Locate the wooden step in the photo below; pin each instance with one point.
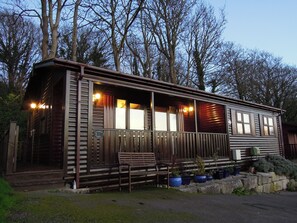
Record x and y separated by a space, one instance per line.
35 180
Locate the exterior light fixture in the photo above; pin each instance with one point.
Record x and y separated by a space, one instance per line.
188 109
33 105
96 97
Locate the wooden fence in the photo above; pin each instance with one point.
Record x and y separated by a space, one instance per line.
8 149
291 151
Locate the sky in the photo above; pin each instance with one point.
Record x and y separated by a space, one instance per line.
268 25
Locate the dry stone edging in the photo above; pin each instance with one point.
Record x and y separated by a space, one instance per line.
259 182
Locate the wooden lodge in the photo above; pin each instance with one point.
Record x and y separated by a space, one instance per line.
81 116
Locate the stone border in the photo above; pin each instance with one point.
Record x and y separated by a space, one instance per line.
259 182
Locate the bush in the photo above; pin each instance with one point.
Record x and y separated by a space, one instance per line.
262 165
7 199
278 164
292 185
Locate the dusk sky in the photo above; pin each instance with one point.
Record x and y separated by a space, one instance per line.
269 25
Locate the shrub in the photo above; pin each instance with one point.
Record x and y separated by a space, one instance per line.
262 165
278 164
292 185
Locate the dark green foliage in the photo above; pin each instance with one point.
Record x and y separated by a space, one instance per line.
241 191
262 165
292 185
10 110
7 199
278 164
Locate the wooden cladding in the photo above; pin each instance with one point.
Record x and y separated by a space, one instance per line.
211 117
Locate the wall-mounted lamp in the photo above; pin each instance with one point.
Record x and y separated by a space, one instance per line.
33 105
188 109
96 97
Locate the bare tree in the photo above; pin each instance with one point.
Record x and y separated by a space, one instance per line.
74 31
90 47
114 18
18 49
167 22
140 44
207 30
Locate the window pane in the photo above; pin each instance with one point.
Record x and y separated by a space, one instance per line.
120 118
265 120
121 103
137 119
239 117
270 121
246 118
247 129
161 121
266 131
172 123
239 128
271 130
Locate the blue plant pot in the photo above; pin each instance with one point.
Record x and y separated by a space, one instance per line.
236 170
200 178
186 180
209 177
175 181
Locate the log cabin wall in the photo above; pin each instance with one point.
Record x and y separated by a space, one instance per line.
45 147
70 132
267 144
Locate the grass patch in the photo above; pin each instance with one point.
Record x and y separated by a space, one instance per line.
241 191
7 199
138 206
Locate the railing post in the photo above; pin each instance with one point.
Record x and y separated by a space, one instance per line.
12 146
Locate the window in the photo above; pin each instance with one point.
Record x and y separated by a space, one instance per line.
173 123
120 121
161 121
165 119
243 123
268 126
136 117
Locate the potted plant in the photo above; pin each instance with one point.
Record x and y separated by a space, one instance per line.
209 175
186 178
175 179
236 169
219 173
200 176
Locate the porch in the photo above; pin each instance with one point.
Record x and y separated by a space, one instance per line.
183 146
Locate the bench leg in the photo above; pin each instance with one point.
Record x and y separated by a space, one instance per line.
130 187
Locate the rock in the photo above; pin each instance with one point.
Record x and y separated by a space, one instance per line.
264 178
213 188
250 182
228 186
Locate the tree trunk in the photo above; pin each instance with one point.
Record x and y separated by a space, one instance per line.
74 32
44 28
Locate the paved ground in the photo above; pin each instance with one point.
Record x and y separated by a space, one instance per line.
156 205
280 207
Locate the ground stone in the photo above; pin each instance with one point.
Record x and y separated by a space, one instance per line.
228 186
210 188
250 182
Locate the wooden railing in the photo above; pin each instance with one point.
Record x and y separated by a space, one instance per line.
291 151
184 145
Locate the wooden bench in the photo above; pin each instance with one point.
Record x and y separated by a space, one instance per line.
140 164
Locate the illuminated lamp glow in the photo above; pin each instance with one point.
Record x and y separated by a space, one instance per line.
96 96
191 109
33 105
